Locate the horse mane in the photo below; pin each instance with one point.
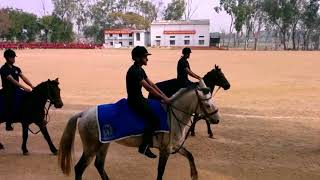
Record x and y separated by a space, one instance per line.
209 78
39 87
181 92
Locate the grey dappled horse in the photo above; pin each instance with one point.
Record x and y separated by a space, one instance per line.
184 104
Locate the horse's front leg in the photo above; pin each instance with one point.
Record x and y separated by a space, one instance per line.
46 135
193 125
25 127
209 130
164 155
194 173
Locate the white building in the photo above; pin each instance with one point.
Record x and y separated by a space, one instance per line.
180 33
126 38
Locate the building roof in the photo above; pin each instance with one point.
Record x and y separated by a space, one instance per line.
182 22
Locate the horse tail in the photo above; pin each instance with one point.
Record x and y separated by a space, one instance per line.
66 144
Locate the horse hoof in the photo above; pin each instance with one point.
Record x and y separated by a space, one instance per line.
211 136
1 146
193 134
55 152
195 177
26 153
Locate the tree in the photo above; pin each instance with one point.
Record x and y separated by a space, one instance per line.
189 10
228 6
310 17
64 9
5 22
56 29
175 10
281 13
24 26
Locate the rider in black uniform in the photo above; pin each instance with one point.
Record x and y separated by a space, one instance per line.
10 82
183 69
136 79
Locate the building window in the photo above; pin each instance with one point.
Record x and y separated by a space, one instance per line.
172 42
186 42
201 42
120 43
111 43
158 42
172 37
130 43
110 35
201 36
187 37
130 35
138 36
120 35
158 36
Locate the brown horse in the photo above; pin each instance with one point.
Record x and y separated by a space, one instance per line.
31 109
213 78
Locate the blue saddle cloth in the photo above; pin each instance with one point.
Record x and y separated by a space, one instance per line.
118 121
17 102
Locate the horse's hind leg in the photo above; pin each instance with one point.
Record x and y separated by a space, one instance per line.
82 164
100 159
194 173
46 135
209 130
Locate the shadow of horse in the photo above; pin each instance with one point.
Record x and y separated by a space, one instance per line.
30 108
213 78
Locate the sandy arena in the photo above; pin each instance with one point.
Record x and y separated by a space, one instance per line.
270 117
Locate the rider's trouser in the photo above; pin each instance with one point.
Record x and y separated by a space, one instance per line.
141 107
8 106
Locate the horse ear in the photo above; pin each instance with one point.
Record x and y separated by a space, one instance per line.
57 80
49 80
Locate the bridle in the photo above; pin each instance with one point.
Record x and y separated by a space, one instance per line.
195 115
51 101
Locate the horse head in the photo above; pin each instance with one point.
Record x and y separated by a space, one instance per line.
50 91
216 78
207 108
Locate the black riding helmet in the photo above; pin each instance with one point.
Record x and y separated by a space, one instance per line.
186 50
139 51
9 53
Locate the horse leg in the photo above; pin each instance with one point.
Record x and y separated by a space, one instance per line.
164 155
100 159
46 136
194 173
193 126
24 138
1 146
209 130
86 158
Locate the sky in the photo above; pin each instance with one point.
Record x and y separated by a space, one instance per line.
205 10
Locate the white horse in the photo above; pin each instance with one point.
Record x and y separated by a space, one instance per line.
184 104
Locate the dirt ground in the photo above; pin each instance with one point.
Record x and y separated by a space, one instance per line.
270 117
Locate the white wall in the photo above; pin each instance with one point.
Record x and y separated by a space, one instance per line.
141 42
201 30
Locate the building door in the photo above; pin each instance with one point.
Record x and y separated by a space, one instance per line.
158 42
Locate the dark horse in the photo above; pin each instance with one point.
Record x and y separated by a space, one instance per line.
213 78
30 108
